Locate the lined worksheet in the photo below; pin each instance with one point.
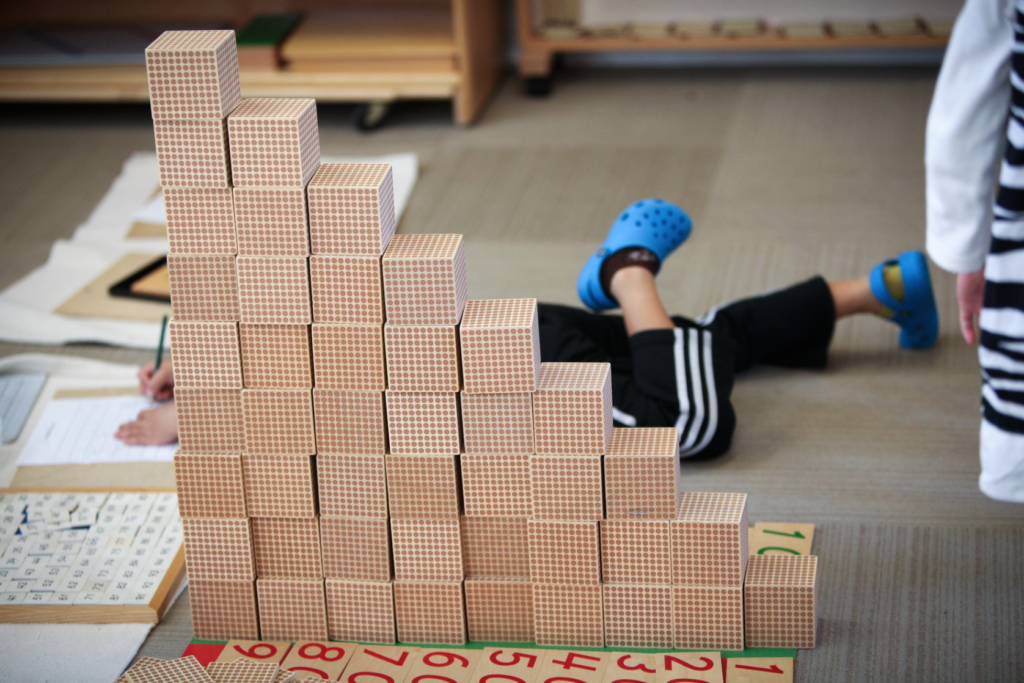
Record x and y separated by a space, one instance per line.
80 431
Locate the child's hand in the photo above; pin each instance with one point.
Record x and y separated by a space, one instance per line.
154 427
970 294
158 385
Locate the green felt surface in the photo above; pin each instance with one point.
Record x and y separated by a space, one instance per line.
728 654
267 30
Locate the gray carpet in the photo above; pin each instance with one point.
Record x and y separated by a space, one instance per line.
787 173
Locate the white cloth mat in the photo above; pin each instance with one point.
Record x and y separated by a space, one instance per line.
26 307
61 653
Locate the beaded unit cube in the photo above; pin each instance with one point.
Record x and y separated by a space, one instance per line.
347 289
430 611
567 487
219 549
709 540
349 357
203 287
425 279
780 601
223 609
351 209
565 553
287 548
642 473
271 221
210 420
209 485
638 616
495 548
635 552
496 424
426 550
568 615
200 220
423 486
205 354
276 356
193 75
572 409
279 485
273 291
274 142
192 153
497 485
422 357
349 422
360 611
499 610
500 341
355 549
352 486
278 421
707 617
424 423
292 608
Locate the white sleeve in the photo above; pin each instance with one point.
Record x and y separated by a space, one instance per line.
965 135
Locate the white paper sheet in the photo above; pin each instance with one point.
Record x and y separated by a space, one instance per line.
80 431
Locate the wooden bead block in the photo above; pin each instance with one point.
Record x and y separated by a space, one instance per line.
567 487
166 671
499 610
273 291
292 609
192 153
500 342
422 357
276 356
242 670
495 548
203 287
709 540
360 611
209 485
780 601
223 610
497 485
200 220
430 612
707 617
347 290
351 208
349 422
356 549
454 666
564 552
275 142
206 355
352 486
349 357
425 279
279 485
572 409
423 486
287 548
642 474
219 549
635 551
427 550
271 221
638 616
193 75
323 660
210 420
423 423
497 424
278 421
567 615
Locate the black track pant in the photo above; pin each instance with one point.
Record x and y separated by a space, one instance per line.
683 378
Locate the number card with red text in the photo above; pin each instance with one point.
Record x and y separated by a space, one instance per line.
631 668
566 666
759 670
380 664
444 666
689 667
507 665
314 658
256 650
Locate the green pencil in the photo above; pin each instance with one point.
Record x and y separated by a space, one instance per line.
160 345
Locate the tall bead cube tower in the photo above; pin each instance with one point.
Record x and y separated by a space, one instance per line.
500 344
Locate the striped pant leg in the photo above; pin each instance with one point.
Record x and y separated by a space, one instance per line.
1001 355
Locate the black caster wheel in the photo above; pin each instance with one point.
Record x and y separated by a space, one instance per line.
370 116
538 86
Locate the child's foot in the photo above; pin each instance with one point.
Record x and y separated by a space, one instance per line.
643 235
904 287
154 427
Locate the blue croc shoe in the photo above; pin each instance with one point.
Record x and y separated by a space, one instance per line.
916 314
653 224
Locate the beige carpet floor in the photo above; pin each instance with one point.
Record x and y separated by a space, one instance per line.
787 173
